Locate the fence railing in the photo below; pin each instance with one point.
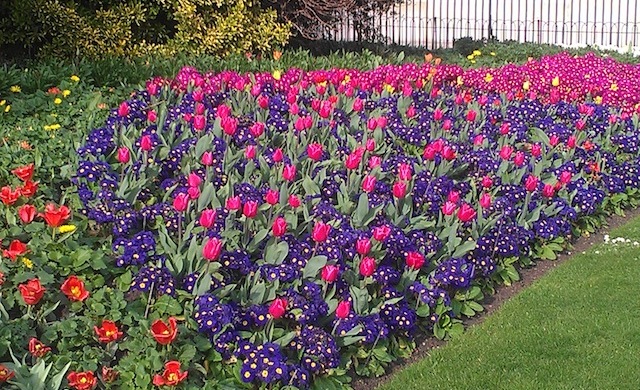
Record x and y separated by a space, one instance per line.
437 23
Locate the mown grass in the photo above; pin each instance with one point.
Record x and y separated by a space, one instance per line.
575 328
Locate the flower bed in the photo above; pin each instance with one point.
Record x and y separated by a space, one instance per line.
280 229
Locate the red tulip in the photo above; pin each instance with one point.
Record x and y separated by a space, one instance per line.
171 376
531 183
429 153
289 172
8 196
367 266
330 273
199 122
370 145
453 197
448 153
5 373
279 227
28 189
448 208
314 151
145 143
24 173
212 249
109 375
164 333
374 161
32 291
369 183
466 213
471 115
107 332
565 177
381 232
233 203
74 289
207 158
250 152
343 309
400 189
536 150
229 125
27 213
278 307
548 191
438 114
363 246
405 172
257 129
485 200
123 155
181 201
82 380
414 260
152 116
16 248
272 197
320 231
194 180
37 348
250 209
353 161
294 201
505 152
123 109
263 101
207 218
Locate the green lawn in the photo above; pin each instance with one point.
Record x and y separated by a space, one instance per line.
578 327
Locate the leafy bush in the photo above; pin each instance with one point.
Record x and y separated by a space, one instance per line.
165 27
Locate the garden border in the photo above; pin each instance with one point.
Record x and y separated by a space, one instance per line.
492 303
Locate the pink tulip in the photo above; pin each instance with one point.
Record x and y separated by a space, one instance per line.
279 227
212 249
123 155
320 231
207 218
329 273
367 266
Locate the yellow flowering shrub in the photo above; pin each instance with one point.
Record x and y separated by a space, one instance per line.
64 28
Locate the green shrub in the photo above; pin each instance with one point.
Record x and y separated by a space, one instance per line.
95 28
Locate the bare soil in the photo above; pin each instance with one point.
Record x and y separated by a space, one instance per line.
503 294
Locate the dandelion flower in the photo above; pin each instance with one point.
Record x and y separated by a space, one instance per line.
477 53
488 77
27 263
57 101
75 78
7 108
15 88
66 93
493 53
54 126
470 57
3 102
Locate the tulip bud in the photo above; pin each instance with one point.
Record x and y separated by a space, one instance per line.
485 200
314 151
257 129
194 192
123 109
277 155
400 189
381 233
289 172
272 197
374 161
233 203
181 201
207 218
250 152
466 213
250 209
453 196
145 143
294 201
199 122
343 309
329 273
369 183
279 227
531 183
123 155
278 307
152 116
320 231
363 246
367 266
405 172
207 158
370 145
194 180
487 182
448 208
212 249
414 260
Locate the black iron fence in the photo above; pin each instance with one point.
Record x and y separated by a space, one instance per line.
437 23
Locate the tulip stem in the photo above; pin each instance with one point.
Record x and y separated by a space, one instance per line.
146 310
